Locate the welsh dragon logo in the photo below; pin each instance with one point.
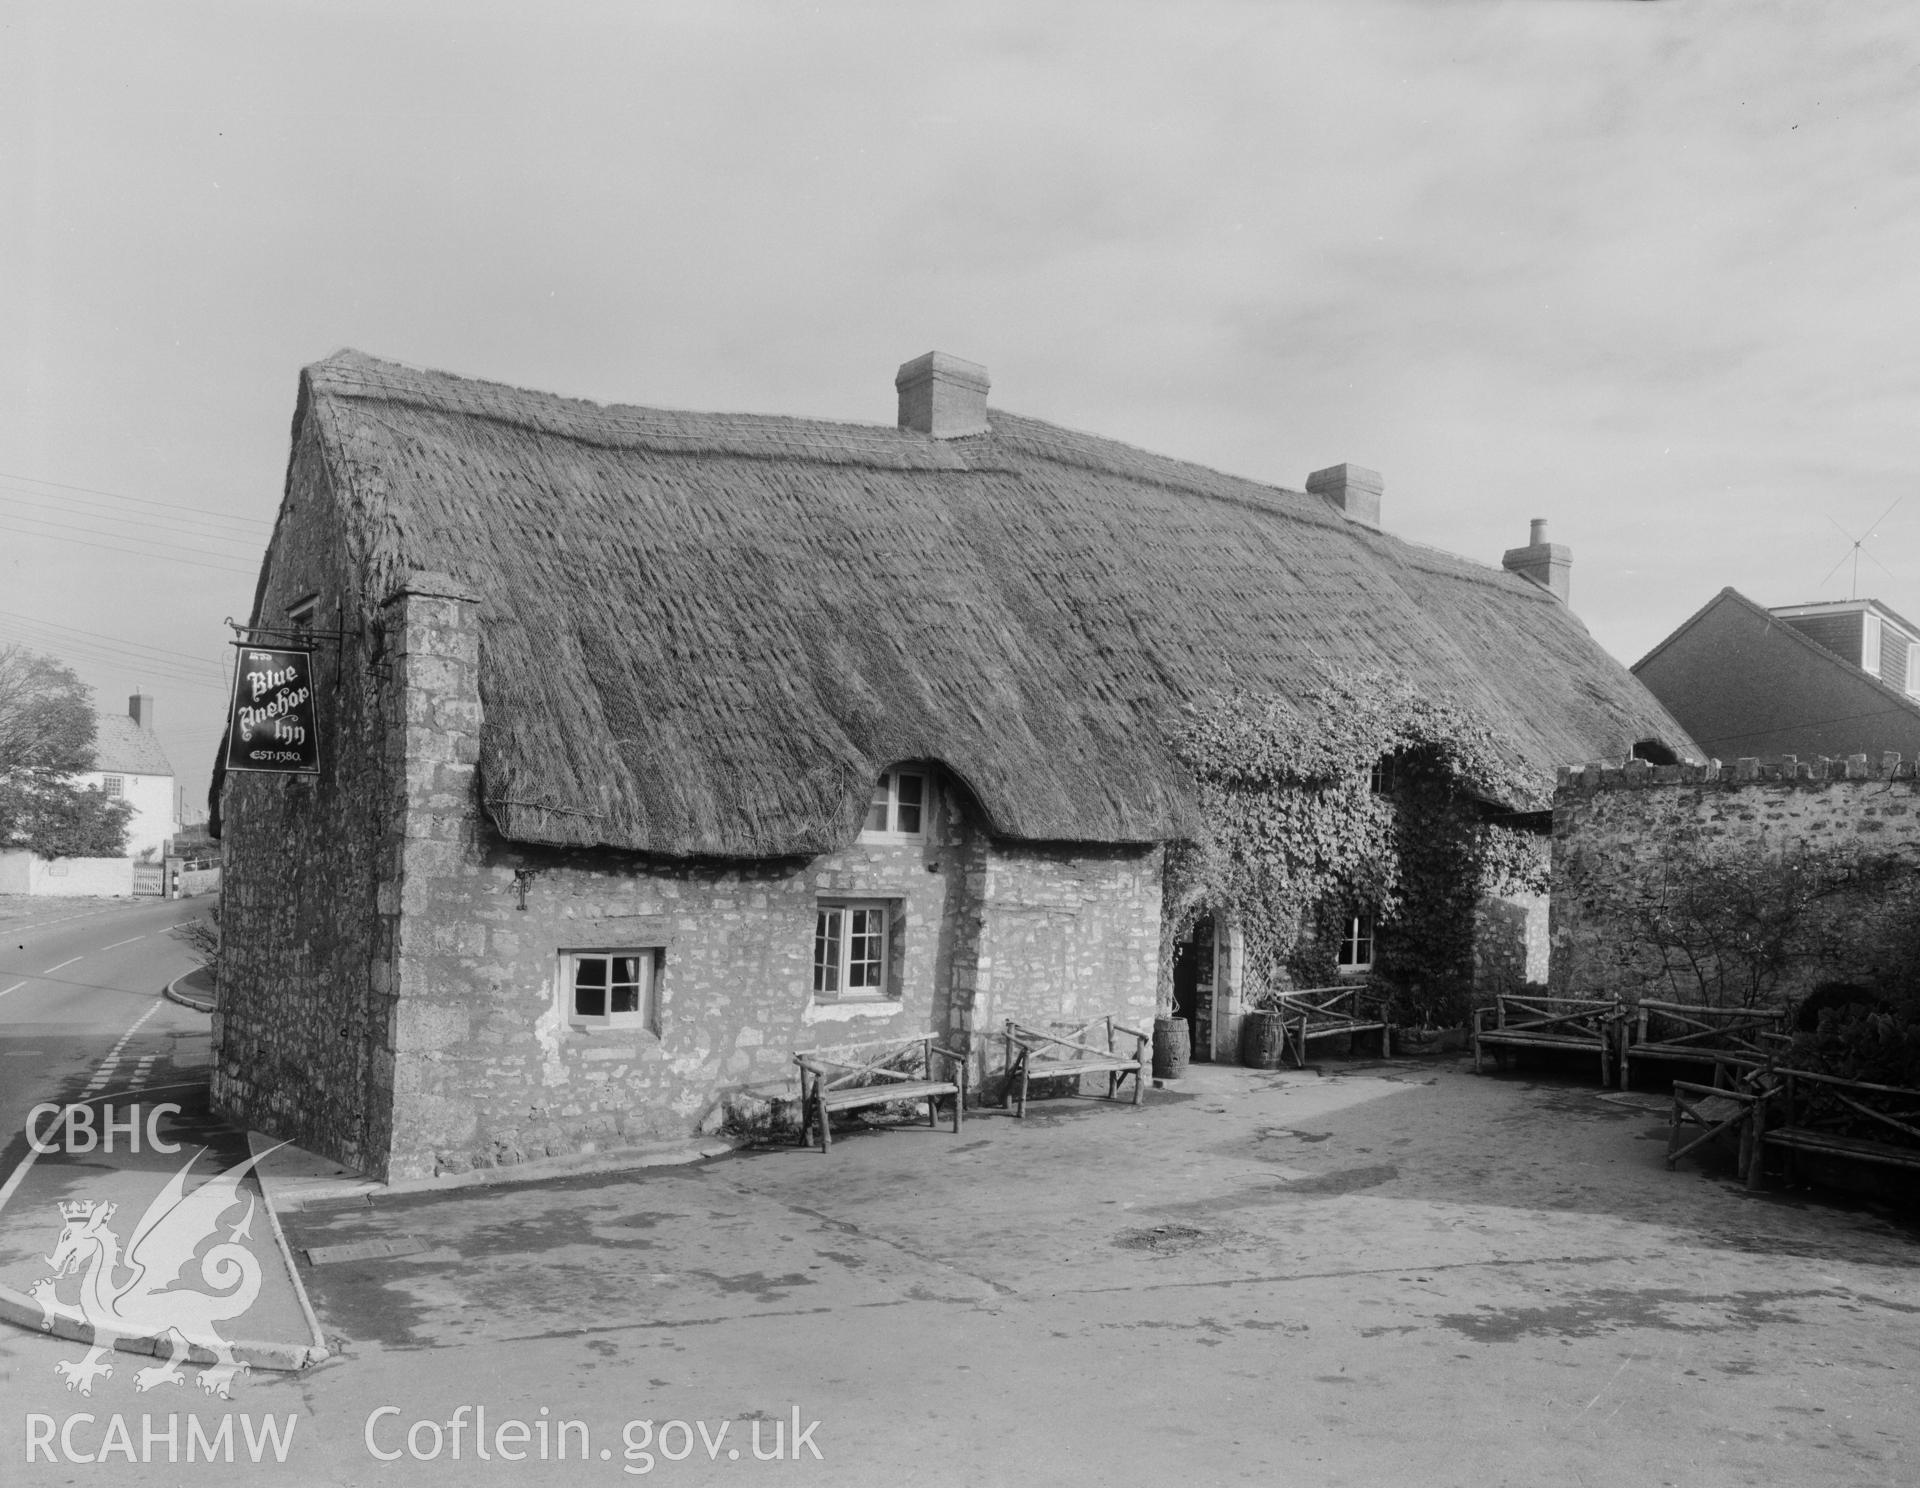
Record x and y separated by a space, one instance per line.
135 1292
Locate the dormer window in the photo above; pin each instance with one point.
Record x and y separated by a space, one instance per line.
898 810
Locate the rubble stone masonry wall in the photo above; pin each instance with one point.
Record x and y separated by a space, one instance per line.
1617 830
299 1026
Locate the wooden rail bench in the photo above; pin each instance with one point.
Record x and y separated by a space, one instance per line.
1582 1025
1309 1013
1826 1116
1069 1050
880 1072
1689 1033
1715 1111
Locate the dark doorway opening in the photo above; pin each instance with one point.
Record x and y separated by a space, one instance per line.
1193 962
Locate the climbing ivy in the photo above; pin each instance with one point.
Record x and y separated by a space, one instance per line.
1295 837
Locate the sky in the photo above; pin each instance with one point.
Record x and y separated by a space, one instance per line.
1643 268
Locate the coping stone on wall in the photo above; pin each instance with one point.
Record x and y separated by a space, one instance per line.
1784 769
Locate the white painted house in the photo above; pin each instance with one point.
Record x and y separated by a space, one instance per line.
130 765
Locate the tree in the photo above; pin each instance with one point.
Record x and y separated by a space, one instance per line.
46 738
46 715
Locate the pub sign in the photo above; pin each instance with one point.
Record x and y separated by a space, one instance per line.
271 725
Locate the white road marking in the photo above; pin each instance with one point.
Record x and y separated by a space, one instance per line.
8 929
118 943
19 1174
112 1061
52 969
14 988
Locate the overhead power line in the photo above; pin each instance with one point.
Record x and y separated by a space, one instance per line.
204 674
53 640
131 647
183 557
99 514
141 500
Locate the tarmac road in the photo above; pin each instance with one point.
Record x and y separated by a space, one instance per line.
1377 1274
76 978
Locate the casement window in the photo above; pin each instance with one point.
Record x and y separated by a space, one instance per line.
301 612
1913 669
899 806
1356 944
852 949
114 785
614 989
1383 777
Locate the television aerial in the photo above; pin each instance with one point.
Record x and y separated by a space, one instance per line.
1859 551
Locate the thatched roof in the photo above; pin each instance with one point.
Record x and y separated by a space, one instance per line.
709 633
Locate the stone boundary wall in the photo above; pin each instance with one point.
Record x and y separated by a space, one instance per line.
1785 767
1624 835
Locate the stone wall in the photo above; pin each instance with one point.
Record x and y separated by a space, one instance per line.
1620 835
1066 934
24 872
489 1071
299 1031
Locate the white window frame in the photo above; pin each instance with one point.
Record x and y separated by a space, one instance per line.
301 613
1360 930
887 801
837 964
114 786
651 968
1913 667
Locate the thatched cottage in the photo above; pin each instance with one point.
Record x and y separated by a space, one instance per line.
658 745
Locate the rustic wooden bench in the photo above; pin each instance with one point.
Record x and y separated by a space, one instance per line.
1310 1013
1069 1050
879 1072
1583 1025
1715 1110
1689 1033
1825 1116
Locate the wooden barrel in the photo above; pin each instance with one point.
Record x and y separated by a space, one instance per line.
1262 1040
1171 1045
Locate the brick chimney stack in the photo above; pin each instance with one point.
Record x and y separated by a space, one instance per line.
140 710
1547 564
1353 488
942 396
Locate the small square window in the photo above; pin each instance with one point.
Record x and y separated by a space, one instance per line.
614 989
851 950
898 807
114 785
301 612
1356 944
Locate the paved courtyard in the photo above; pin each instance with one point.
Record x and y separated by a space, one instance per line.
1387 1273
1376 1273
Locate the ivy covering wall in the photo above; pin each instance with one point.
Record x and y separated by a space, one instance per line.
1358 796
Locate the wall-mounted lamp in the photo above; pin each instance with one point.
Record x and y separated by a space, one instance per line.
523 880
